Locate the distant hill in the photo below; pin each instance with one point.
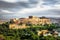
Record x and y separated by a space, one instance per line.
55 19
3 21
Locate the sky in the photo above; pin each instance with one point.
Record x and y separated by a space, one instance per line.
24 8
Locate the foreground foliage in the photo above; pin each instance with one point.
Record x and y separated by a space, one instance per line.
25 34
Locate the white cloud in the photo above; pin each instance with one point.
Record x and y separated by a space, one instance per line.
11 1
57 6
6 11
14 1
32 10
23 0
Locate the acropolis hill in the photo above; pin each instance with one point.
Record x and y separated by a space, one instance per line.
19 23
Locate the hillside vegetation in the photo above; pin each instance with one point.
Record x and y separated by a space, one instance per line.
28 33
